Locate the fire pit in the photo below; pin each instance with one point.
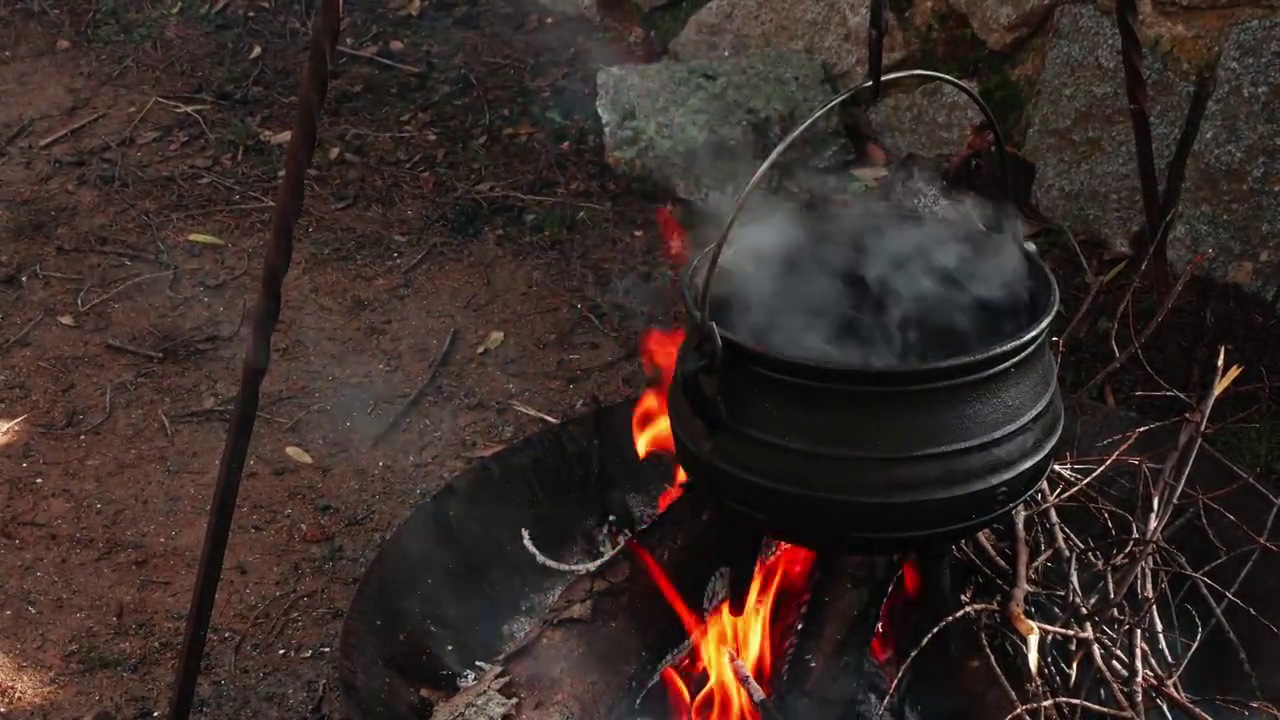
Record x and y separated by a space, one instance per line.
804 534
455 591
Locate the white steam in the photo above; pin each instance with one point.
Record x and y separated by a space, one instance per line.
872 283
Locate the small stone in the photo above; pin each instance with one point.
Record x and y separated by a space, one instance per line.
395 46
325 506
62 45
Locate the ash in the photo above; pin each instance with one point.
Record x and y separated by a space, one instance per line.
874 282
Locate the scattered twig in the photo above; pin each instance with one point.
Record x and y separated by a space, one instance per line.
522 408
1150 328
22 333
17 132
1022 710
69 129
754 692
417 259
11 424
1015 608
132 350
575 568
83 306
902 670
375 58
253 620
1176 470
403 413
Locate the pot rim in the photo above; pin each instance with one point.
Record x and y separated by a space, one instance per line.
1030 336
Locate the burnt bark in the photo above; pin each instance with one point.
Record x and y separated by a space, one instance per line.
608 633
830 674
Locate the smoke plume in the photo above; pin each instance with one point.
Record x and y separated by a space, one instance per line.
870 281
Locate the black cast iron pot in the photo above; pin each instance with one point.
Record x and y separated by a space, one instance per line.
860 459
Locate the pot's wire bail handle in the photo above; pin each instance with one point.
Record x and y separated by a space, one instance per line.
707 334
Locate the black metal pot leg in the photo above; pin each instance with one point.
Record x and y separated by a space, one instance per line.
742 551
937 596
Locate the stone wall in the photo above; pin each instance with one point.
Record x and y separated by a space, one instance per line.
1051 70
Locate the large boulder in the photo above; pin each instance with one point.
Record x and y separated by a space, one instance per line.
933 120
834 31
1231 199
1217 4
691 125
1080 134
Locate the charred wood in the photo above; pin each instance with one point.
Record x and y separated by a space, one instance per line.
607 634
831 675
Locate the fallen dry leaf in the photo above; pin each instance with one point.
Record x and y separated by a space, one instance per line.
68 321
204 239
281 138
255 52
298 454
484 452
491 342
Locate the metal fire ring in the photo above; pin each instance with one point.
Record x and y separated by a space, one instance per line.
707 329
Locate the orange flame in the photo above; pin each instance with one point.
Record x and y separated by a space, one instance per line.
674 238
650 426
750 638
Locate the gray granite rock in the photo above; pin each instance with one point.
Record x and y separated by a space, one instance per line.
1217 4
588 9
689 125
1080 136
833 30
1231 199
933 120
1001 25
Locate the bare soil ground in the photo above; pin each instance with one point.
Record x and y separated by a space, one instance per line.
460 188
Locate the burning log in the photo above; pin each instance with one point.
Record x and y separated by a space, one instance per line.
831 674
607 634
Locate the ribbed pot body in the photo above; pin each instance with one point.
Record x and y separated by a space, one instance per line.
870 460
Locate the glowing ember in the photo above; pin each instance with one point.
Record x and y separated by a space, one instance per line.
884 642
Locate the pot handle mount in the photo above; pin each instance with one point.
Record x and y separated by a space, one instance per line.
706 328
